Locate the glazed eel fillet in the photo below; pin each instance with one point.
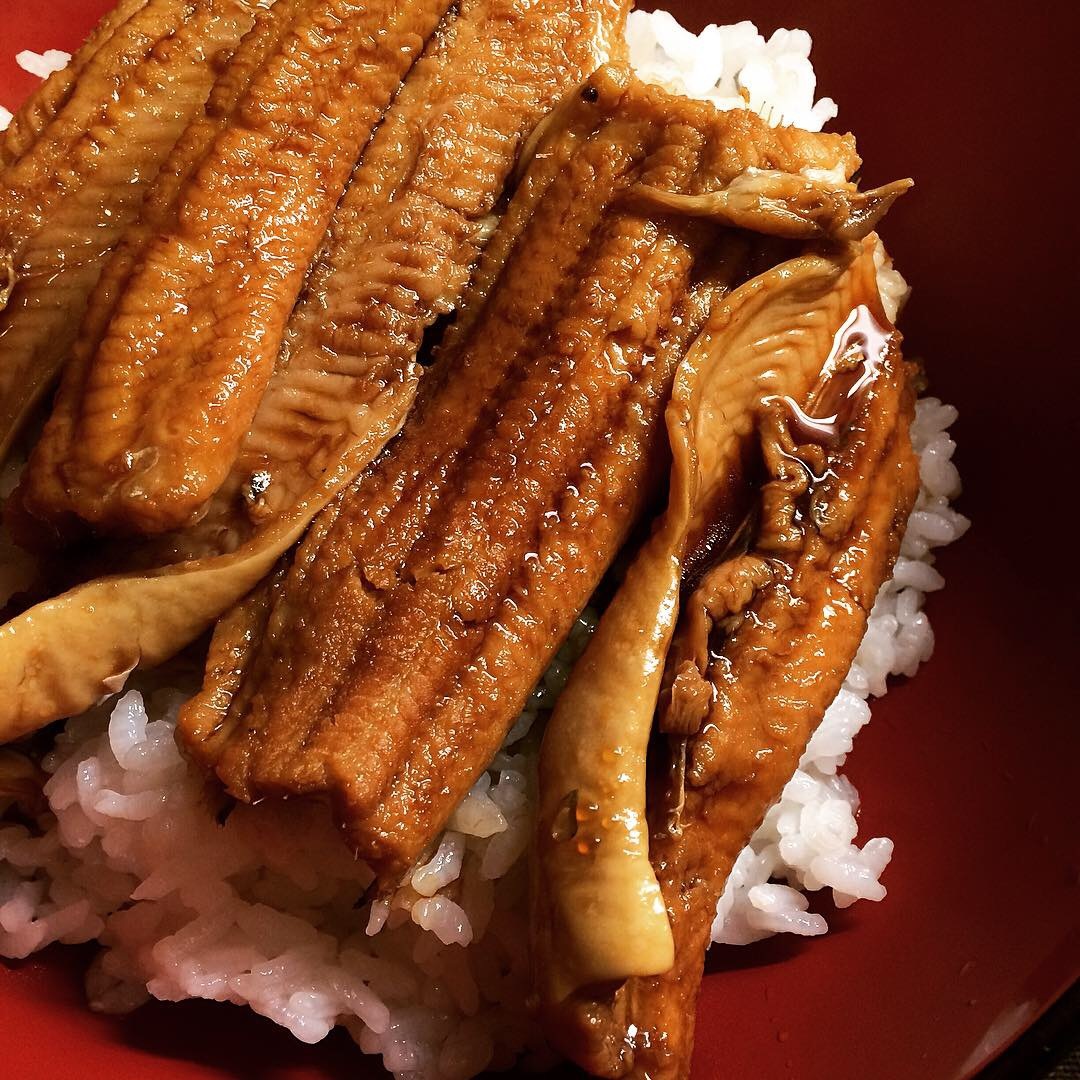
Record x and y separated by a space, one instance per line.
802 366
383 665
150 418
159 212
398 253
79 158
404 241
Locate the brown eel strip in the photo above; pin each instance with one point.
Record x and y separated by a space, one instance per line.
83 154
403 243
385 664
398 253
173 386
159 212
763 646
598 913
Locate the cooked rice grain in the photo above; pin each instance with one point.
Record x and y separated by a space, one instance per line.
43 64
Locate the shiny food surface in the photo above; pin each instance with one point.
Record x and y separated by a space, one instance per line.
405 239
399 251
424 605
772 633
597 912
113 271
160 409
993 957
81 156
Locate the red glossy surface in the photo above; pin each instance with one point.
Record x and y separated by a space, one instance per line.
972 767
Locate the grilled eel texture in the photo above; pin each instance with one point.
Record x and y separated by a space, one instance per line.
763 645
403 243
80 158
150 422
598 914
385 663
159 212
398 253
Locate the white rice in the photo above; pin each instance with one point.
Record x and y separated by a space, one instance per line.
732 66
43 64
267 909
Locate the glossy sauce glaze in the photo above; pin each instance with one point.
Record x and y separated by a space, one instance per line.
146 428
597 911
399 251
796 331
82 156
423 607
991 958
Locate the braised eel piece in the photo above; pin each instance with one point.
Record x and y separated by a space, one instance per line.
150 424
158 214
80 158
385 663
404 242
398 253
763 644
598 914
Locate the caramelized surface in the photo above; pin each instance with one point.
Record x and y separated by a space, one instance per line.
423 605
84 155
403 243
382 664
44 484
39 110
769 634
598 916
399 250
174 383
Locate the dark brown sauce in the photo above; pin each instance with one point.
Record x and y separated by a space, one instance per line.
852 366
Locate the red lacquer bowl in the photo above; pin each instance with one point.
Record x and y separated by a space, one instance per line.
972 767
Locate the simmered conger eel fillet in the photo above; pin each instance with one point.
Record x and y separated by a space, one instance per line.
158 213
403 243
81 157
770 634
398 253
800 367
162 405
384 666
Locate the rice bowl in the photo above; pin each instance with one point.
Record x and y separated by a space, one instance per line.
264 907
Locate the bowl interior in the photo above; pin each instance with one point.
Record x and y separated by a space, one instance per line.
970 767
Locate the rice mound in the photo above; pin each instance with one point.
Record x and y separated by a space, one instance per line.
264 906
734 67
